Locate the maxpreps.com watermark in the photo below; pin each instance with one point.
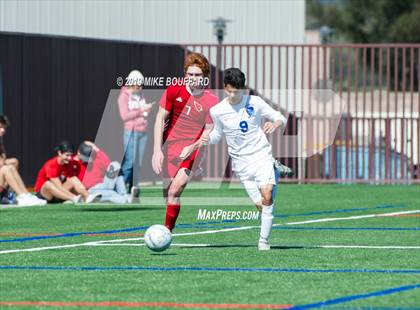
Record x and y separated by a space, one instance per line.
205 215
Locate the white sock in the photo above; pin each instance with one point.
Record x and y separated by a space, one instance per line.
266 222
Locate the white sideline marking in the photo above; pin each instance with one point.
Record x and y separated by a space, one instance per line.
48 248
331 219
205 232
117 240
369 246
93 243
116 244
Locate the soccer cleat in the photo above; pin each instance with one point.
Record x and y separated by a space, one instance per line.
93 198
283 170
263 246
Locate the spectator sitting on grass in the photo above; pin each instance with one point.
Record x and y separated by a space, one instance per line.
9 177
4 124
56 181
101 176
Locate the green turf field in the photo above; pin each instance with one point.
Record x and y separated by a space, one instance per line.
94 256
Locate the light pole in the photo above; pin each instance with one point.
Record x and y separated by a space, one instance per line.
326 34
219 30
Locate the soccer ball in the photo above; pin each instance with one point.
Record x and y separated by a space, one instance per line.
158 238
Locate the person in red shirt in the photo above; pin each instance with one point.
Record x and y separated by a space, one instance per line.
56 181
93 162
134 111
182 118
99 175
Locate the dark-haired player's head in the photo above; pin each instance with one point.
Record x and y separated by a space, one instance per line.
196 67
234 84
4 124
65 151
85 152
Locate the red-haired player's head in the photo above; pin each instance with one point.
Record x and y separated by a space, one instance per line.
196 68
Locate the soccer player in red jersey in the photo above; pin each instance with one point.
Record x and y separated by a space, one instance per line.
182 118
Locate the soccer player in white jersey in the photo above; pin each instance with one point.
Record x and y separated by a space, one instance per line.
239 118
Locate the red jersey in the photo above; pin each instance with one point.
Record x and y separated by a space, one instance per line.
73 168
51 169
94 173
188 114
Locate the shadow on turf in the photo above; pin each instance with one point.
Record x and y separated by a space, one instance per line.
273 247
163 254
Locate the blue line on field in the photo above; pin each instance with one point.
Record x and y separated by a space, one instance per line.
372 308
76 234
189 226
344 299
199 225
224 269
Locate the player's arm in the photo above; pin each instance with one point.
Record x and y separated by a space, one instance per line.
92 145
189 149
216 134
157 159
211 135
276 118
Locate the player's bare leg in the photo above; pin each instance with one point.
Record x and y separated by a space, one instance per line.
50 191
174 191
13 162
73 184
266 216
259 206
9 175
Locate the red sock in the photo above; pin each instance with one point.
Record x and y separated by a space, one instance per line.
172 212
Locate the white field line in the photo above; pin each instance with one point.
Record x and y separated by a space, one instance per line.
368 247
207 232
117 240
116 244
332 219
66 246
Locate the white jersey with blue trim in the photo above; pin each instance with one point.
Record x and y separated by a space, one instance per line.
241 125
